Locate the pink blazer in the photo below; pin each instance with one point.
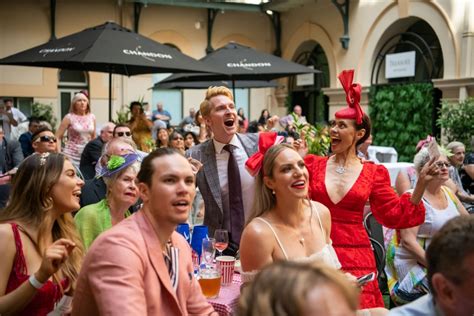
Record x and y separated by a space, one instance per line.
124 273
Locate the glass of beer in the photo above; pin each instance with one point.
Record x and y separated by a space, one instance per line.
210 282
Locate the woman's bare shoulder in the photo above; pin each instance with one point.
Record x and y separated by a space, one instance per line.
258 228
7 243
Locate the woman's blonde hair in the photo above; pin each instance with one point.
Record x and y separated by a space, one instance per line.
31 204
206 106
264 199
72 108
282 288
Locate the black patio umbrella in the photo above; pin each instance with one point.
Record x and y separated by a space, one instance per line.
238 62
108 48
205 84
168 84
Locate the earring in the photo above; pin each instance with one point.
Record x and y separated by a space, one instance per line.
273 192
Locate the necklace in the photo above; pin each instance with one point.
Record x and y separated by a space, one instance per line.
301 240
340 169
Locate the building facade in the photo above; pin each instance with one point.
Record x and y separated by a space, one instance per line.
328 35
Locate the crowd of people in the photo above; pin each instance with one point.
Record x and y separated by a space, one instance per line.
89 227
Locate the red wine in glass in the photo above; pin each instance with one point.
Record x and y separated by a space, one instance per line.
222 240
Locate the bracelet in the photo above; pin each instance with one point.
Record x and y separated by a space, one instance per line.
34 282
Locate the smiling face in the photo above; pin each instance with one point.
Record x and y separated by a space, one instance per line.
289 175
170 196
163 135
44 142
177 141
67 191
344 135
123 188
222 118
457 158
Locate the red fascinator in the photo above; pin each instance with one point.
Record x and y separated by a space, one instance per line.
265 141
353 90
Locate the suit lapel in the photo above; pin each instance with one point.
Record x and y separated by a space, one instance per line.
210 172
155 253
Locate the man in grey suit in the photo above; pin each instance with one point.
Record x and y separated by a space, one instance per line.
220 115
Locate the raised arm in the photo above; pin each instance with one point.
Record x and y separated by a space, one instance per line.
16 300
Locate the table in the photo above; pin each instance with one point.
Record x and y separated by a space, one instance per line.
394 168
228 297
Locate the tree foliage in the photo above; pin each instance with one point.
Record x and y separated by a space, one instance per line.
457 120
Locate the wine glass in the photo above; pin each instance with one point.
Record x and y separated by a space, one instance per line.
222 240
208 250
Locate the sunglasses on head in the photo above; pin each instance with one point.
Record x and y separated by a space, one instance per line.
46 139
128 134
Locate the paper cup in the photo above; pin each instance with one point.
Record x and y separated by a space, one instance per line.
225 264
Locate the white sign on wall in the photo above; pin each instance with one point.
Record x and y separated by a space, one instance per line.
305 79
400 65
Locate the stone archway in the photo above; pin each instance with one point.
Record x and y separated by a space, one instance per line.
308 94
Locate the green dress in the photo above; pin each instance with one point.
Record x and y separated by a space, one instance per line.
92 220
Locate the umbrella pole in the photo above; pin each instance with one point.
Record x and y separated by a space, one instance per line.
110 96
233 91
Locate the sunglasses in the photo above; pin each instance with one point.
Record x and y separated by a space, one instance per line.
441 164
128 134
46 139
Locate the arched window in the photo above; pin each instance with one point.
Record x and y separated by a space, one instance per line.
69 83
309 96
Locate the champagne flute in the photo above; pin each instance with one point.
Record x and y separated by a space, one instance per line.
208 250
222 240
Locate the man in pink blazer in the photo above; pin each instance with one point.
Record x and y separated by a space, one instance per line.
141 266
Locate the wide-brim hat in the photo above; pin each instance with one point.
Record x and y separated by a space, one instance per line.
117 163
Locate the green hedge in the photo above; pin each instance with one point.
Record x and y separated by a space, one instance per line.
401 115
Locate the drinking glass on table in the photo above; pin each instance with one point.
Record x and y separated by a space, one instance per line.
208 250
222 240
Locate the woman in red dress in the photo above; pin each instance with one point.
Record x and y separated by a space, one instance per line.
344 183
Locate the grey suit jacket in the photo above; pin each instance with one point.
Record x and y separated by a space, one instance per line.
208 179
13 155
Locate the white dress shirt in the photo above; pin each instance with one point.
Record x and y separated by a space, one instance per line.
247 182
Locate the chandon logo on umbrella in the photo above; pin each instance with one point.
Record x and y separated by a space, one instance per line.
46 51
146 55
248 66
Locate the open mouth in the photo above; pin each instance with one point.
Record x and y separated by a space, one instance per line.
335 141
77 194
229 122
298 184
181 203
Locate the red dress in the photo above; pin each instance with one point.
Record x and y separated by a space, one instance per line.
350 240
45 298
